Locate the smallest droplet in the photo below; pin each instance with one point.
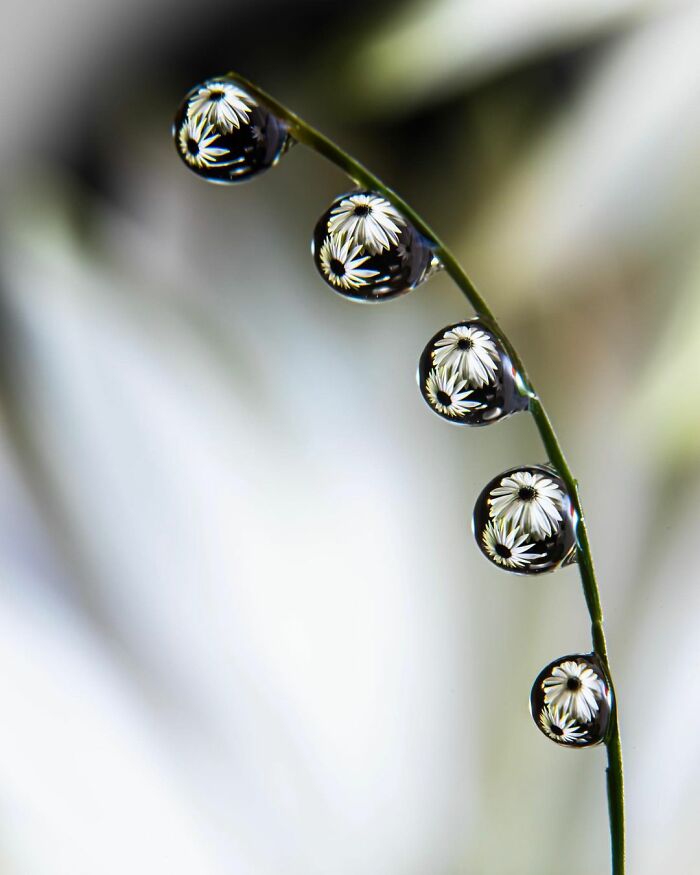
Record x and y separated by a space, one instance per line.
223 133
466 376
571 701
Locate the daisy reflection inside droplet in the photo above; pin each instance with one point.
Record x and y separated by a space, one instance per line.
342 262
507 545
524 521
223 104
528 499
470 351
571 701
449 393
366 250
471 356
575 688
224 134
368 220
560 727
197 139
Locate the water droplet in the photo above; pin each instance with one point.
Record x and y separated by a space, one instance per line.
571 701
366 250
223 134
466 376
524 521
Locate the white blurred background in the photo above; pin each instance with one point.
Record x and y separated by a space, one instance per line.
243 624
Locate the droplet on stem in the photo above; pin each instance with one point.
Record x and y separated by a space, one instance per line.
466 376
571 701
367 251
524 521
225 135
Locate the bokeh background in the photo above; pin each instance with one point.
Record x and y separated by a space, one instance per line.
243 625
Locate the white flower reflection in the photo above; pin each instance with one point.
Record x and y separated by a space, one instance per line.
448 392
367 219
560 726
574 688
222 104
529 500
196 140
469 350
507 546
342 266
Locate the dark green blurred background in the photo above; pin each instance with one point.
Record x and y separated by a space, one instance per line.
244 627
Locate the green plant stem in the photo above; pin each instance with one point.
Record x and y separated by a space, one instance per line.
309 136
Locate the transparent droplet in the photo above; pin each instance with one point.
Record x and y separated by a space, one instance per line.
366 250
223 134
571 701
466 376
524 521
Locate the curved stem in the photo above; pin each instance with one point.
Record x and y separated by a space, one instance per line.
309 136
